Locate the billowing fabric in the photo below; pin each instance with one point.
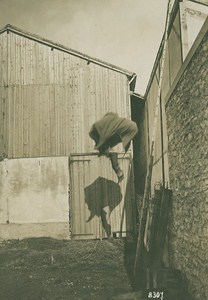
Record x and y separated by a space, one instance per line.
112 130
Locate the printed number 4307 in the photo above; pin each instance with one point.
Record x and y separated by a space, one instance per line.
156 295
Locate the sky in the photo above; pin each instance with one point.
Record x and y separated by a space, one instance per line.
126 33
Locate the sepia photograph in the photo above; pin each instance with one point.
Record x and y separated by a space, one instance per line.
103 149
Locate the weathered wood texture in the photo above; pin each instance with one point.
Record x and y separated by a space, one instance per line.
53 97
173 61
156 226
3 94
101 207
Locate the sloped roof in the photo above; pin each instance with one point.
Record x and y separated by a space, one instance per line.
200 2
16 30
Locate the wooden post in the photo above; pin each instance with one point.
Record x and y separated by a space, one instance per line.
153 230
140 241
162 226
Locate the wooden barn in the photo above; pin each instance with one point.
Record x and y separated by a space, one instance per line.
52 182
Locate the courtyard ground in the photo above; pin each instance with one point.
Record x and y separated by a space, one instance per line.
50 269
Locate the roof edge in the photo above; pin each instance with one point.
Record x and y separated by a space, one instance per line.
173 13
14 29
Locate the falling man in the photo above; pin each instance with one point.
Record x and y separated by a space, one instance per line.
110 131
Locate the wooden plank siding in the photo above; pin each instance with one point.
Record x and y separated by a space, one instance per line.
3 95
94 189
49 99
54 97
172 64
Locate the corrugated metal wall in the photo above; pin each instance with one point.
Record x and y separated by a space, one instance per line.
173 62
54 97
95 192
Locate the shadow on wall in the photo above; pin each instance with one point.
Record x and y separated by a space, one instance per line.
101 197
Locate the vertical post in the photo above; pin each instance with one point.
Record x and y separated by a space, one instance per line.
140 241
183 28
162 143
139 249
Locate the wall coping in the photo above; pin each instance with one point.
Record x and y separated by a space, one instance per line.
188 59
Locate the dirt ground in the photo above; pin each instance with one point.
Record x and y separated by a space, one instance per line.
50 269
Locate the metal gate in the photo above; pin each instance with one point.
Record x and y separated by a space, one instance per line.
99 206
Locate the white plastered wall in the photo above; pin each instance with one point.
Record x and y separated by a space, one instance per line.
34 198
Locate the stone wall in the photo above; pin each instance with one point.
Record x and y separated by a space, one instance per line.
187 121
